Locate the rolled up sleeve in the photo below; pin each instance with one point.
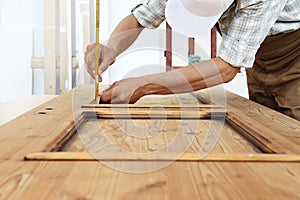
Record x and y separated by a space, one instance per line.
151 13
248 29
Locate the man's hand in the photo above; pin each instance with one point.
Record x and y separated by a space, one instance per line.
124 91
107 57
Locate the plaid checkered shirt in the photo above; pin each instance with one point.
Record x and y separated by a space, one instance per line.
244 25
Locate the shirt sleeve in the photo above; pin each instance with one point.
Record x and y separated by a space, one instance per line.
151 13
250 26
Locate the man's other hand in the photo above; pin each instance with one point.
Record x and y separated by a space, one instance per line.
124 91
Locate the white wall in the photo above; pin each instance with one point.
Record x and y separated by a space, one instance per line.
23 15
16 34
21 27
145 56
15 53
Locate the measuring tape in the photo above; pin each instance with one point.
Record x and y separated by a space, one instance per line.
97 52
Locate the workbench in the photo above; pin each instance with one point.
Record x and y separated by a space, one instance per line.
15 107
254 155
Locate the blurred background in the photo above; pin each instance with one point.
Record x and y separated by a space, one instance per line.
42 44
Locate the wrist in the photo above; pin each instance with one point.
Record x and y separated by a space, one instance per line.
152 84
144 85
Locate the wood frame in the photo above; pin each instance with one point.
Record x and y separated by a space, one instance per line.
79 156
217 178
275 150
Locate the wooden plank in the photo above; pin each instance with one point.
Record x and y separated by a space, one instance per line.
83 156
217 137
53 119
110 113
195 107
65 67
268 129
194 180
12 109
161 99
38 62
146 136
177 99
95 180
258 134
147 111
50 47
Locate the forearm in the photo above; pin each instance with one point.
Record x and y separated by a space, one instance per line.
187 79
124 34
191 78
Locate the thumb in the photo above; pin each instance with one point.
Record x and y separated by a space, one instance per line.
103 66
90 47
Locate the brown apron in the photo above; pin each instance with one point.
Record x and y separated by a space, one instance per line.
274 80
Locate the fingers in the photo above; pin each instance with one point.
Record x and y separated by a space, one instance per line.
106 59
124 91
106 95
90 60
90 63
99 78
90 47
114 94
104 65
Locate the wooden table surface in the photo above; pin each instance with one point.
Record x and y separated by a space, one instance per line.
13 108
32 132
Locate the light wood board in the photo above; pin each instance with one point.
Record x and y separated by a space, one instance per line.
32 132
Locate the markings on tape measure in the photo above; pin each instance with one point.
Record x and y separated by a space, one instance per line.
97 52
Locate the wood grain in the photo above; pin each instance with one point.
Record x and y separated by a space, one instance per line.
79 156
178 99
175 106
31 132
269 130
259 135
154 113
153 135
